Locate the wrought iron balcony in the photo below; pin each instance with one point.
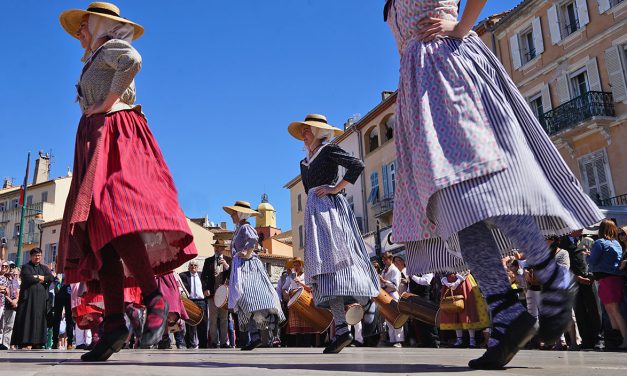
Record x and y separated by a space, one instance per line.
578 110
383 206
614 201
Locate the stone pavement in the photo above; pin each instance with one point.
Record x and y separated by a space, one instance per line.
303 362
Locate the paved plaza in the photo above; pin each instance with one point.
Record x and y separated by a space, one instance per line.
284 362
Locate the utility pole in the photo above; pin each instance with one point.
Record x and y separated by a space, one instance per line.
18 257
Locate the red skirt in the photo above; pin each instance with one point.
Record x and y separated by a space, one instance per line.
120 185
170 290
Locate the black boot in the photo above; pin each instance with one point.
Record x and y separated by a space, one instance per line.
340 341
554 325
110 343
514 337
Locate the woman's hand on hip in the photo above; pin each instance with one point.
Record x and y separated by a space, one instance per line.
430 28
325 190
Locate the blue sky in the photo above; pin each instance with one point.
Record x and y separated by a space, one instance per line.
220 82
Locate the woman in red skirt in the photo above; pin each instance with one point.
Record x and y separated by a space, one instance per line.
122 218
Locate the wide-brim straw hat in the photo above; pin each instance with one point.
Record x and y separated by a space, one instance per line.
219 243
290 263
314 120
240 207
71 19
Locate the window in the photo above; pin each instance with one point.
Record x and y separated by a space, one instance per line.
570 19
373 139
579 83
44 196
536 105
15 203
388 172
528 48
301 244
2 231
389 127
595 170
300 203
50 253
614 3
29 200
374 188
16 230
3 206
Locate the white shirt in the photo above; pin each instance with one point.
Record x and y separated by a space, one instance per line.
393 276
424 280
453 285
195 286
290 282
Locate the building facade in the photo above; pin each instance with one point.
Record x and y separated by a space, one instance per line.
44 202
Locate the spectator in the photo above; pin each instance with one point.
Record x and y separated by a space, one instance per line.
30 321
605 259
195 336
587 310
215 272
390 280
399 262
63 309
10 306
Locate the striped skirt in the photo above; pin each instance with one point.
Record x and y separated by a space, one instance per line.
251 292
120 185
522 173
356 281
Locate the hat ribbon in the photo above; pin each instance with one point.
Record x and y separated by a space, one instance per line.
103 11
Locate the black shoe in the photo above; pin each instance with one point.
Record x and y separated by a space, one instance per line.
553 326
155 305
251 345
225 346
339 343
81 347
3 347
108 344
515 336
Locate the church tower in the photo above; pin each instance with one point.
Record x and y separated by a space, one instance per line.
267 213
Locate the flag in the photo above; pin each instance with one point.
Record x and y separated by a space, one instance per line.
23 187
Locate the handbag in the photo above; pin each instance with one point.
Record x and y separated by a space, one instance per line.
452 303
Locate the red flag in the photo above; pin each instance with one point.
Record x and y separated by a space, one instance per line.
23 187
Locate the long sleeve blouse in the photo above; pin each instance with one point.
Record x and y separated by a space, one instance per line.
244 239
323 167
111 69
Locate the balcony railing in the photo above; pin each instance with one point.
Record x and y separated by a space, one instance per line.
530 55
577 110
13 214
383 206
614 201
570 28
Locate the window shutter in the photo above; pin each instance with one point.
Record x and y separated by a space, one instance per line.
562 89
604 5
594 81
554 24
615 73
513 46
602 180
384 174
582 12
538 40
546 98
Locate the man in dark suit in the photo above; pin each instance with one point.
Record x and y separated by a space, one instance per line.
195 336
587 307
215 272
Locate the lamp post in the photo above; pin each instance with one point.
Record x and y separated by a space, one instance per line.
23 199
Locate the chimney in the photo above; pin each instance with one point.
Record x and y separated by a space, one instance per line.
42 168
8 183
385 95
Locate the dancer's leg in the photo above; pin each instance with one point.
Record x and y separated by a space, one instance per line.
343 336
512 325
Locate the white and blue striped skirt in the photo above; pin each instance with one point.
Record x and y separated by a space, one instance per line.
336 260
251 294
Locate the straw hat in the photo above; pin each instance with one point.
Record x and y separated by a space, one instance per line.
241 207
71 19
219 243
313 120
290 263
